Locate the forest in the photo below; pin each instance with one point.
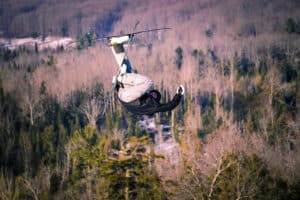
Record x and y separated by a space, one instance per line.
235 135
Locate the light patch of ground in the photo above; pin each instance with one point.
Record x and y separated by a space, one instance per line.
48 43
169 168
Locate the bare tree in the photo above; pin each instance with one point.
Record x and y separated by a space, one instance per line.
274 84
32 188
217 84
9 190
26 146
93 108
95 104
221 168
37 184
27 90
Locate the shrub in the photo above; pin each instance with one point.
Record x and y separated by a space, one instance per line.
209 33
64 28
115 144
290 25
179 57
247 30
244 66
35 34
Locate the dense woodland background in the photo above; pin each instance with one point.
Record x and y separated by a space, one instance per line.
63 134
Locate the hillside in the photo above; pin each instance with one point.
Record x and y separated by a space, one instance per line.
64 134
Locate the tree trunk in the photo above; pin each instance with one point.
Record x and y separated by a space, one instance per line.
31 113
271 98
89 184
93 122
232 89
173 121
217 102
127 175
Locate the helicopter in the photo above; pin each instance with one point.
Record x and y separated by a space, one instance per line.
136 91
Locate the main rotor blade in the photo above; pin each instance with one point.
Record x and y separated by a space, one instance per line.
151 30
134 33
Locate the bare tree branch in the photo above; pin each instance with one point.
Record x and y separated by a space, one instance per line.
219 171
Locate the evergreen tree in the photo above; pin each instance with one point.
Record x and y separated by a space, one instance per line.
179 57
